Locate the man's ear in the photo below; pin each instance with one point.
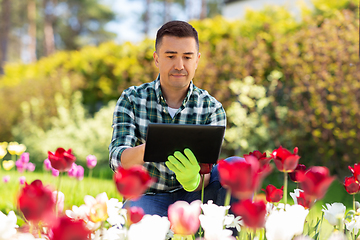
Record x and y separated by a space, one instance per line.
197 60
156 59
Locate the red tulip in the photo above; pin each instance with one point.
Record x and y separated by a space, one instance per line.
36 202
284 160
132 182
292 175
135 214
205 168
261 157
304 200
62 160
243 178
273 194
68 228
252 213
315 181
351 185
264 161
356 171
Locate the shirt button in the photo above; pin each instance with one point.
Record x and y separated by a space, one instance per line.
172 177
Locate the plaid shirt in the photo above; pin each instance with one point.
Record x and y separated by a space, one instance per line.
140 105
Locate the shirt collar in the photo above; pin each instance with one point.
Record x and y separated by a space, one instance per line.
160 96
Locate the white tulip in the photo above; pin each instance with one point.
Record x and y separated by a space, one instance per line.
284 225
354 225
151 227
7 225
334 213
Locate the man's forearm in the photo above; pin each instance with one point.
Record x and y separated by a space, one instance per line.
133 156
206 181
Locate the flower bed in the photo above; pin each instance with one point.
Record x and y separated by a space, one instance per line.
254 217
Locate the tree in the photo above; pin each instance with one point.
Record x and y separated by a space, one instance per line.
147 17
31 8
82 22
4 28
49 18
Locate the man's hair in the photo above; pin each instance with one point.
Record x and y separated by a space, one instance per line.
176 29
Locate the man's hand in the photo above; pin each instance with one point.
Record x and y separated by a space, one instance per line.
186 169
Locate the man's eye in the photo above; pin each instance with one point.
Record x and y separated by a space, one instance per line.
170 56
187 57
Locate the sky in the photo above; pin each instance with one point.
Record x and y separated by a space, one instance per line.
129 27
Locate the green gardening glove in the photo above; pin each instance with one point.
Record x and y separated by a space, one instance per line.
186 169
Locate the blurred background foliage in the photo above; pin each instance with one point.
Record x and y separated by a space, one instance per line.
283 81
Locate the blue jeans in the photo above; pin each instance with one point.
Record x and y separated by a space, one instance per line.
158 203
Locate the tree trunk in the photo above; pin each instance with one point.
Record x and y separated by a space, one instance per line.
147 18
167 10
32 30
4 36
203 13
48 26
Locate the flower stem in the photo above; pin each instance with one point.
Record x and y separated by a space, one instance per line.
202 201
354 203
57 194
285 189
90 173
227 200
202 188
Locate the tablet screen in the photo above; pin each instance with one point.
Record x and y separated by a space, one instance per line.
163 140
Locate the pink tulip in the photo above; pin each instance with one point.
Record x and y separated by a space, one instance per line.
60 200
20 166
22 162
79 172
6 179
47 164
22 180
72 171
91 161
30 166
55 172
184 217
25 157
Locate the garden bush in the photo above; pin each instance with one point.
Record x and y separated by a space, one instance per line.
314 105
71 128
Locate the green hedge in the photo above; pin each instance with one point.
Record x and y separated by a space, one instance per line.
308 69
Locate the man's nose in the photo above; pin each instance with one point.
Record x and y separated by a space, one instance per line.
179 64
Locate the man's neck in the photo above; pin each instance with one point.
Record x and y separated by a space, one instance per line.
174 99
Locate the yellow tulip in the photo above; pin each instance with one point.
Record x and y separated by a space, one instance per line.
98 212
2 152
3 145
7 165
15 148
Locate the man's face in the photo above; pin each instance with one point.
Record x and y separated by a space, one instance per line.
177 59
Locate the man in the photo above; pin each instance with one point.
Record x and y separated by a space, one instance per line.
171 98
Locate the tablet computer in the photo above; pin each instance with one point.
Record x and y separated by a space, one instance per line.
162 140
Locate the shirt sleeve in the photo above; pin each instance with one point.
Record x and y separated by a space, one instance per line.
218 117
124 128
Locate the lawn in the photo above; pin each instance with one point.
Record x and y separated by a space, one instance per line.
73 189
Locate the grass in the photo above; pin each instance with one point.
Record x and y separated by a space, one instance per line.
73 189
